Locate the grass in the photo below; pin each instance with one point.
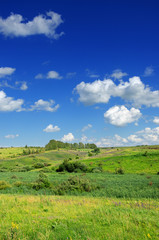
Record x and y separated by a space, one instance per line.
122 206
44 217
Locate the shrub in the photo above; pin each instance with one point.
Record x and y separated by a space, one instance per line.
4 185
18 184
39 165
90 154
72 167
97 170
14 177
145 153
119 171
41 182
74 184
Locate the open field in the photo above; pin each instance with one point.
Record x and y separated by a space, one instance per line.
54 217
100 203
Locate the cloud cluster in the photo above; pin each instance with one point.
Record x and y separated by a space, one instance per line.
16 26
51 128
11 136
8 104
68 138
120 116
6 71
49 75
118 74
42 105
156 120
147 136
133 91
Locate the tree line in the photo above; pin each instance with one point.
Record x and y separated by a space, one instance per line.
53 145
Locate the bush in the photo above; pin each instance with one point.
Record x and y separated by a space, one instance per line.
18 184
72 167
90 154
38 165
119 171
74 184
4 185
97 170
41 182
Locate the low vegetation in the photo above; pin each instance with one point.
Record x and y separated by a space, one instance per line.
108 193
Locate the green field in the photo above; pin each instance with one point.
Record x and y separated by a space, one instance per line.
99 203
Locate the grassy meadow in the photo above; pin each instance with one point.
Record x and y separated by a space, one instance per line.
115 198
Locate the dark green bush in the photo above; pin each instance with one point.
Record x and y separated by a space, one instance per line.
119 171
75 183
39 165
72 167
41 182
4 185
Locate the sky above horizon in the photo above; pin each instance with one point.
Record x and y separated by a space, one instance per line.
79 71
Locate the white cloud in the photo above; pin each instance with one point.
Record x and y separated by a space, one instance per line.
120 116
86 127
8 104
50 128
42 105
49 75
16 26
156 120
91 74
68 138
118 74
148 71
24 86
5 71
39 76
135 139
53 75
133 91
120 139
10 136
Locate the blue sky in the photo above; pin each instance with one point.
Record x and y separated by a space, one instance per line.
79 71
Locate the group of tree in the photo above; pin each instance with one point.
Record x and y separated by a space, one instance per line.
53 145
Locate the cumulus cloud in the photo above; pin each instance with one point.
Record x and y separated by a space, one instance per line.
42 105
133 91
86 127
146 136
53 75
23 85
6 71
51 128
8 104
10 136
148 71
120 116
118 74
156 120
16 26
68 138
49 75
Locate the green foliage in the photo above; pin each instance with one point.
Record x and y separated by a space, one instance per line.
76 184
4 185
53 145
38 165
18 184
72 167
41 182
119 171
